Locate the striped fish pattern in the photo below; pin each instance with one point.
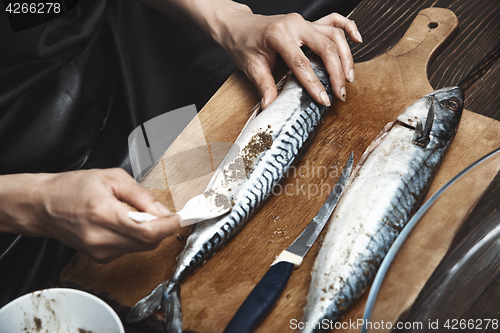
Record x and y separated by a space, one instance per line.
269 144
386 189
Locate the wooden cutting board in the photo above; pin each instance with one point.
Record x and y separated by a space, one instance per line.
383 88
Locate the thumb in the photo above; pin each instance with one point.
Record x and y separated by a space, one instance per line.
140 198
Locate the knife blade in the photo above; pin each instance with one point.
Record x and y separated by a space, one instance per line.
265 294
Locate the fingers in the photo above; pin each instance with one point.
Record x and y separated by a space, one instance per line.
160 228
300 66
255 40
126 189
337 36
151 232
148 235
324 37
339 21
331 45
111 233
329 50
260 74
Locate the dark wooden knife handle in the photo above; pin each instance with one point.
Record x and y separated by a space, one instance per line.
262 298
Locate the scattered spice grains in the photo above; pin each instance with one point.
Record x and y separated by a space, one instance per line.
281 233
259 143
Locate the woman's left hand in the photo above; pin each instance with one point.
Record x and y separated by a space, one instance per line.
252 41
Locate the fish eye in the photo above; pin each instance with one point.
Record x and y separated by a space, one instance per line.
451 104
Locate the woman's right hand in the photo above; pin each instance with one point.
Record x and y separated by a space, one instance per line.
84 210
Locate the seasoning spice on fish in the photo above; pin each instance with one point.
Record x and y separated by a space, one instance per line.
260 142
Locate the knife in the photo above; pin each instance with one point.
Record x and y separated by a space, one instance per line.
265 294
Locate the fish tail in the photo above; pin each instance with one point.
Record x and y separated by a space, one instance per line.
147 305
171 304
167 296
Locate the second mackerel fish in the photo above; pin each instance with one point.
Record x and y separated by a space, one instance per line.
385 190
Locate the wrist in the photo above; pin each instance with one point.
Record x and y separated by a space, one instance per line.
214 17
219 20
21 207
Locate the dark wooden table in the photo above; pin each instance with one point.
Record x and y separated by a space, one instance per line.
471 60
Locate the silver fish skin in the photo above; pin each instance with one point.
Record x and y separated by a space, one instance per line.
386 189
291 120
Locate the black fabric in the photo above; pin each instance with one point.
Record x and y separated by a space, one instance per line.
73 89
53 96
28 264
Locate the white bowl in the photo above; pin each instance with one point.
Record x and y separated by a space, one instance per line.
59 310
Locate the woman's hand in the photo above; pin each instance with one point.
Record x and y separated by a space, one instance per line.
252 41
84 210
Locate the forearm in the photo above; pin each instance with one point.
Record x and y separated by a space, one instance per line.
207 15
18 194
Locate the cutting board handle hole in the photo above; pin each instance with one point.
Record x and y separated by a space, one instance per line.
433 25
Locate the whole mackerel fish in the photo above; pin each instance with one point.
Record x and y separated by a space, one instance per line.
269 144
385 190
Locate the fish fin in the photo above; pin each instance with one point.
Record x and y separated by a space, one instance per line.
147 305
281 83
429 121
419 131
423 132
373 145
171 304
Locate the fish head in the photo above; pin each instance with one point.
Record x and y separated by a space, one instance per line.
448 104
435 116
